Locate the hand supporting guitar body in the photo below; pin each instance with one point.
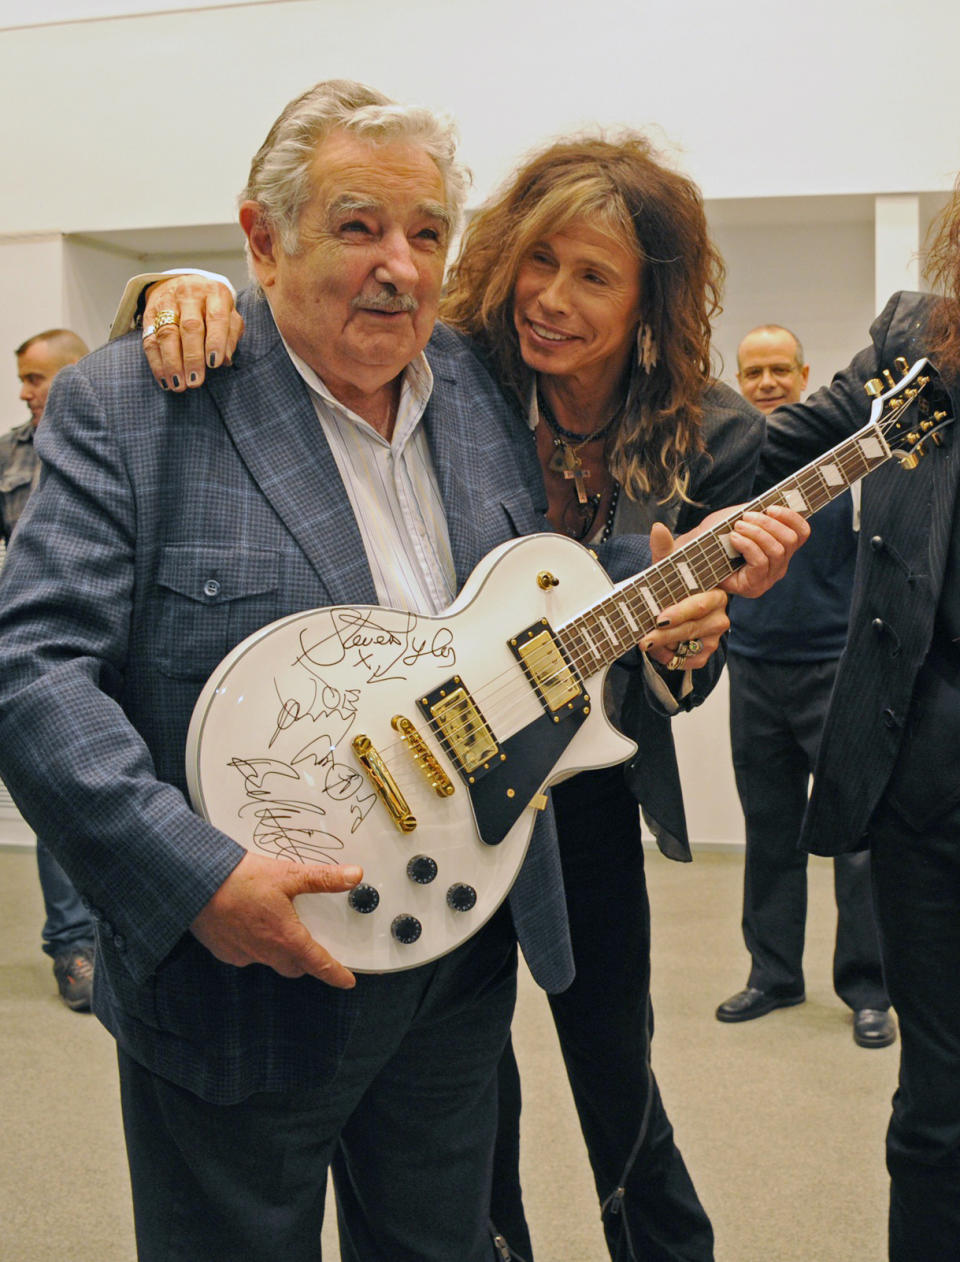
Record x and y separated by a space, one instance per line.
251 918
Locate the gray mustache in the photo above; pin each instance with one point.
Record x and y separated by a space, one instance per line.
385 302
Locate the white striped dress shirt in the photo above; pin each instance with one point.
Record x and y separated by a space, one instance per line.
393 491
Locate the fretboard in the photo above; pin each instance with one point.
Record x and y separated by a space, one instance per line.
599 635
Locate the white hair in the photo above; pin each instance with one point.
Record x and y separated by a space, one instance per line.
279 179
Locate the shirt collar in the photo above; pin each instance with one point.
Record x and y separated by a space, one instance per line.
415 390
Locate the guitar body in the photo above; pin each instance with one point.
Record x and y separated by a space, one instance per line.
417 747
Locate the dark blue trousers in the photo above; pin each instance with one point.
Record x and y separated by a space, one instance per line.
776 717
412 1106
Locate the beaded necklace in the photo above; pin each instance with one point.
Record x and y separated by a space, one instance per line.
566 461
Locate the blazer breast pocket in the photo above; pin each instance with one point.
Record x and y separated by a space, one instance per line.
209 599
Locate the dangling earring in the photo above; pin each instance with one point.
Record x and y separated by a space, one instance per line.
646 348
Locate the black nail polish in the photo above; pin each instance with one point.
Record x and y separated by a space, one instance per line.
663 622
176 383
212 361
163 384
193 378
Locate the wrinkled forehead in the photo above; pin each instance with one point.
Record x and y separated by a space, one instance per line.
397 175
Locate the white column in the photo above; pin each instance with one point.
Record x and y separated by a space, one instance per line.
896 244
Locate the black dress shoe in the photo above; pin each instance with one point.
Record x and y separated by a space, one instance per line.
872 1027
750 1002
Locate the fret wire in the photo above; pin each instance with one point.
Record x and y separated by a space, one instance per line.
708 560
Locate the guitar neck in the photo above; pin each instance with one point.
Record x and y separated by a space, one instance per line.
599 635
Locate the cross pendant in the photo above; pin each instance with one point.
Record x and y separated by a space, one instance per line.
568 463
579 475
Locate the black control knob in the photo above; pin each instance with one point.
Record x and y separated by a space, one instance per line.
406 929
461 897
422 869
363 898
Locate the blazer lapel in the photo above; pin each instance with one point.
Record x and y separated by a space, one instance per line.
475 452
266 408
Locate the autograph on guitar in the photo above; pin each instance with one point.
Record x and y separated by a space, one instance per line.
421 747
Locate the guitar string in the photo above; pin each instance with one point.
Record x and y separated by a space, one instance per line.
815 491
663 582
407 772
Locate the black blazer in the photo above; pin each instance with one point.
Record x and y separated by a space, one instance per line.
720 477
873 740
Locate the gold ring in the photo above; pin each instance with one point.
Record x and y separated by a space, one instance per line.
693 647
163 318
676 662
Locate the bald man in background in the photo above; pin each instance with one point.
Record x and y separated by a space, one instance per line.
782 659
68 931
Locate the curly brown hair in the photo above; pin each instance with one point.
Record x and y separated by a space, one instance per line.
942 269
622 186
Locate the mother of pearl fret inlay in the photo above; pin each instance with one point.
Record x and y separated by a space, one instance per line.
591 643
795 499
872 448
647 596
687 575
832 475
626 613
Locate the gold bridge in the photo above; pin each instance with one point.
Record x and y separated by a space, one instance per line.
387 789
437 778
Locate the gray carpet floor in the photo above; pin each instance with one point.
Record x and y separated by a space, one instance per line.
781 1120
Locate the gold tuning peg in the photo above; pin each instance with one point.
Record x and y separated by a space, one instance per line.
873 387
910 461
901 365
939 416
888 377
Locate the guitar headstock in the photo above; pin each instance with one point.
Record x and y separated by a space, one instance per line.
910 412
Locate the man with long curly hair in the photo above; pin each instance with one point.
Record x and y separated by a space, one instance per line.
888 776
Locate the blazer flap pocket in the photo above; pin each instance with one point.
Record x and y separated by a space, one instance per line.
523 515
213 576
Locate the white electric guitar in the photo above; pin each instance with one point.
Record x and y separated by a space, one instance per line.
421 747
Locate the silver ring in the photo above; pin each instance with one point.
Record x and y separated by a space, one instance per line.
693 647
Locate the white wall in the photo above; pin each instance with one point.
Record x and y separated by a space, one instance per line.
764 98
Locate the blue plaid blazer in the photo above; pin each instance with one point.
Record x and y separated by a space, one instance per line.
109 625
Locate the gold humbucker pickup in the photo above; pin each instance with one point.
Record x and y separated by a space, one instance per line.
438 779
547 668
461 728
